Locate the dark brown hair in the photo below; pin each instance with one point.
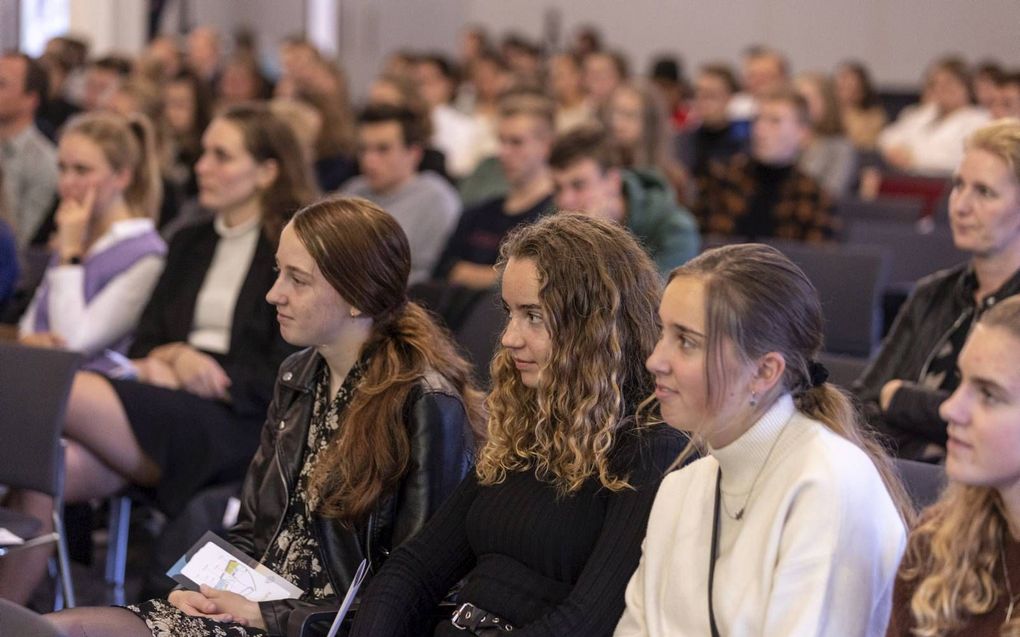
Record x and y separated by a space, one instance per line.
364 254
723 72
413 130
202 102
585 141
266 137
869 96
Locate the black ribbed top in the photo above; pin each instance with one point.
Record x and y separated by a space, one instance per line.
549 565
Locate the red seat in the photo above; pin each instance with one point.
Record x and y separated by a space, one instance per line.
930 190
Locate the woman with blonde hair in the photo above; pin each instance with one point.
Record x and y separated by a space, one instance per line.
794 521
961 572
915 369
186 410
108 253
546 530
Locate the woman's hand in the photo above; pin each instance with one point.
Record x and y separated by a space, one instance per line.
48 340
243 611
72 221
200 374
198 605
889 390
154 371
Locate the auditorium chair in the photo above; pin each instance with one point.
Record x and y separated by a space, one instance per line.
34 387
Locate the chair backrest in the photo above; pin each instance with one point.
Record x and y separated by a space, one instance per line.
480 330
850 281
924 482
913 254
931 190
901 209
34 386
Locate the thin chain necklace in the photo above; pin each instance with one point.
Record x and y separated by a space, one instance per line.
740 513
1009 587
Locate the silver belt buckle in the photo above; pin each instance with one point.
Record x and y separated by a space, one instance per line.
465 611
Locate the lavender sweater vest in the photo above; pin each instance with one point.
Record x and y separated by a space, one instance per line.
100 269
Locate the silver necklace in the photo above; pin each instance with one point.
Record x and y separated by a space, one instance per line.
740 513
1009 587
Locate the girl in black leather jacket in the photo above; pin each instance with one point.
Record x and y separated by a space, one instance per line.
368 431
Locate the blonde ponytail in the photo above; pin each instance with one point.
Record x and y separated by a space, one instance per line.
831 406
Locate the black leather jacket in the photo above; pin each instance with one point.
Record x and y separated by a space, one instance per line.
441 444
938 305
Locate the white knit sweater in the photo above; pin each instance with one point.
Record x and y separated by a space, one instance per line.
815 553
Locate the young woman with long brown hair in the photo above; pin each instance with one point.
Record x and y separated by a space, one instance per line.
794 521
369 429
548 527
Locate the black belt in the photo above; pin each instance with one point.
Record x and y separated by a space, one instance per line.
479 621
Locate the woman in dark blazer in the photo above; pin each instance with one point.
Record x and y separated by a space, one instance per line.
186 410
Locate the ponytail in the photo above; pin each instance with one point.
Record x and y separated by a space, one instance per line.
832 407
372 452
127 143
144 194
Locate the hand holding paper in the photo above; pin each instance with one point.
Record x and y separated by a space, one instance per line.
242 610
213 562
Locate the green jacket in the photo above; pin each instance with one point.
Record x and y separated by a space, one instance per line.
667 229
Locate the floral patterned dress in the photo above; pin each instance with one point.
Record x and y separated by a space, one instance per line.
294 553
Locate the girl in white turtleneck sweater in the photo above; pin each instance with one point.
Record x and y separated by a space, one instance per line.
793 523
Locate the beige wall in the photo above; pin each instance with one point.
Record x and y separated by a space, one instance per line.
896 38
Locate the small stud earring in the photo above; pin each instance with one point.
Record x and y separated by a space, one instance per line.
354 313
754 399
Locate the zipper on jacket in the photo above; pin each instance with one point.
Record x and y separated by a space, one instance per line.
283 514
938 345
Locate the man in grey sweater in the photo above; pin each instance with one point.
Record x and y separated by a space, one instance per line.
391 140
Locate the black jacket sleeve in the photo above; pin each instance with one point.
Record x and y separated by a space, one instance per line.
402 596
915 414
440 438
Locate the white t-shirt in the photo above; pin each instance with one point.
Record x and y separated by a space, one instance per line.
936 144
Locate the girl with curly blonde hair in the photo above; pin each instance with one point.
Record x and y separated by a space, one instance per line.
961 572
547 530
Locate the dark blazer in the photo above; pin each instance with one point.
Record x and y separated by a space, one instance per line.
256 347
939 303
441 444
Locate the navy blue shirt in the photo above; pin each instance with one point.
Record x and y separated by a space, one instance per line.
8 263
480 231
